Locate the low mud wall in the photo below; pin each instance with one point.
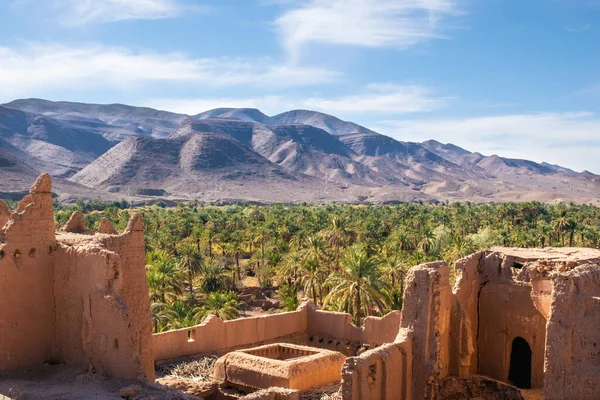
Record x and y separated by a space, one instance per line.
375 331
318 328
217 336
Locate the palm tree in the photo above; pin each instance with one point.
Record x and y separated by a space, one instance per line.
427 241
260 239
393 267
222 304
459 247
163 276
289 297
312 277
337 235
161 316
358 287
234 249
212 275
189 263
183 315
288 269
396 299
571 227
208 236
560 225
314 248
298 239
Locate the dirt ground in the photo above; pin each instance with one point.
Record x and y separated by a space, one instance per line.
65 383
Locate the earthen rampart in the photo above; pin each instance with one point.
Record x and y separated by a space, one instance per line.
72 297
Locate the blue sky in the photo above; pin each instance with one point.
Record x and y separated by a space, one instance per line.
518 78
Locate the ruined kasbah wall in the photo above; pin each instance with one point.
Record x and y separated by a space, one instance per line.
415 363
130 248
307 325
27 243
573 341
549 297
67 302
491 309
381 373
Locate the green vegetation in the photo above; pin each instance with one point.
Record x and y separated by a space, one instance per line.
351 258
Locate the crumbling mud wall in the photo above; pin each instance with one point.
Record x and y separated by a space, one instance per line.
72 297
381 373
134 287
306 326
413 366
27 244
492 309
573 339
507 295
426 315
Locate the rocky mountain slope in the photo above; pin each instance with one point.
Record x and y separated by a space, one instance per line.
243 154
57 147
114 122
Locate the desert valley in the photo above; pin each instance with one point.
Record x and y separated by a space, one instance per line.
110 152
299 200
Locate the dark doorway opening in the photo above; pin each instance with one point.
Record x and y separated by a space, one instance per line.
519 374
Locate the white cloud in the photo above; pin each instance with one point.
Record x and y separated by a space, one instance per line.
40 67
378 99
381 99
569 139
368 23
81 12
270 105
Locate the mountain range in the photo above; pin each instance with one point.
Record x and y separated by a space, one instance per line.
228 154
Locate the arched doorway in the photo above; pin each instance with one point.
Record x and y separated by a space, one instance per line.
519 373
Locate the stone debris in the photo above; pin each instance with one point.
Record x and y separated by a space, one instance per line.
477 387
274 393
199 389
130 392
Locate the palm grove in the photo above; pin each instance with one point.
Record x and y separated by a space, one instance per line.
351 258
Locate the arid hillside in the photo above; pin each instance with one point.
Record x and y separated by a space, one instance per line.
226 154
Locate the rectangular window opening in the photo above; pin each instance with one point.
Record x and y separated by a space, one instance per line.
191 335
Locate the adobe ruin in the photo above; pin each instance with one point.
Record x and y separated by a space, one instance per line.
514 317
72 297
281 365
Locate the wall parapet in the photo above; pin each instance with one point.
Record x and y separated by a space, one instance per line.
215 336
375 330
